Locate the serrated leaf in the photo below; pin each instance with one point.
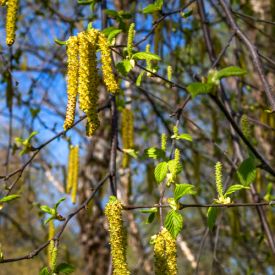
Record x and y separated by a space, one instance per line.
154 153
145 56
183 190
9 198
197 88
124 67
150 218
230 71
212 214
247 171
161 171
234 188
65 268
185 137
173 222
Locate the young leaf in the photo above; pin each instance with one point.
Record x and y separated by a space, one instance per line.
185 136
150 218
47 209
173 165
161 171
172 203
145 56
212 214
247 171
150 9
150 210
154 153
230 71
44 271
139 78
198 88
9 198
64 268
124 67
131 152
234 188
183 190
113 34
57 204
173 222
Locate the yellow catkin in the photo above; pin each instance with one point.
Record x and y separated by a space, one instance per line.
70 171
88 79
118 240
53 256
165 254
127 123
12 7
75 164
108 75
50 236
3 2
72 80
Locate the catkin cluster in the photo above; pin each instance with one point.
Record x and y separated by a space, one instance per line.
245 126
165 254
72 179
118 239
53 256
11 18
127 121
82 76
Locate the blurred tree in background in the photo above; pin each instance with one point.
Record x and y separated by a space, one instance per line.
197 73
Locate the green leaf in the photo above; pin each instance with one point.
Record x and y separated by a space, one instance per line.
154 153
161 171
113 34
150 218
112 13
150 9
230 71
44 271
183 190
59 42
186 14
159 4
197 88
150 210
212 214
234 188
185 137
65 268
131 152
49 219
47 209
139 78
124 67
247 171
145 56
173 222
57 204
85 2
9 198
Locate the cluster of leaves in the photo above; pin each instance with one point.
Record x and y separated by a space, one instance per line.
54 215
62 268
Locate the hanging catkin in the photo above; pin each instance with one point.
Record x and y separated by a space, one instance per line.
165 254
12 7
72 80
3 2
75 164
118 239
127 121
88 79
70 170
108 75
51 232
